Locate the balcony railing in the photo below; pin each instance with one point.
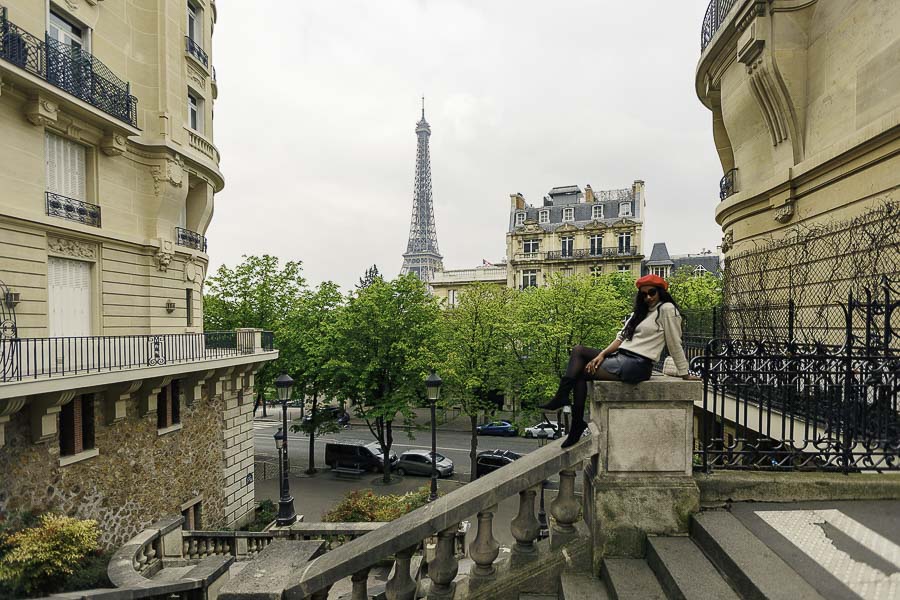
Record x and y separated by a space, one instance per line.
727 185
715 16
33 358
190 239
587 254
71 69
194 49
72 209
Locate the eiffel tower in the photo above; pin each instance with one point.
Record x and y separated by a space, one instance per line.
422 256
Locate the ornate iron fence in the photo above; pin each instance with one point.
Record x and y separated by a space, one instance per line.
72 209
713 19
727 184
190 239
33 358
783 404
194 49
71 69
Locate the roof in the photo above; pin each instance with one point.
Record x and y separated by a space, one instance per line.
660 255
564 189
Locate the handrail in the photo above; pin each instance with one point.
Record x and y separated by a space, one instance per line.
437 516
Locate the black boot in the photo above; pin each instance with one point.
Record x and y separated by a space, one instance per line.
562 395
575 434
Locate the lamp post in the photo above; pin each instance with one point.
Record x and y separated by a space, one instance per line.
542 513
433 386
286 514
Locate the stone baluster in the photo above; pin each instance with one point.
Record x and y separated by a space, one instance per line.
401 586
565 508
525 528
186 548
443 569
140 560
484 549
360 581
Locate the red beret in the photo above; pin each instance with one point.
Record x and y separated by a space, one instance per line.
654 280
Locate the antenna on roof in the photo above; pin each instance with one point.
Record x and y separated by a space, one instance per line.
423 107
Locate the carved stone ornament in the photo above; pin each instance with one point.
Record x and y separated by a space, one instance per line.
72 5
785 213
174 173
193 271
163 259
41 112
530 227
727 241
113 144
73 248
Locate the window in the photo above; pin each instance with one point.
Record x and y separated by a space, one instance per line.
189 305
531 246
520 218
597 211
625 209
660 271
194 23
700 271
568 214
195 112
67 33
596 244
625 243
567 272
596 270
568 245
544 216
66 167
192 514
529 278
168 406
69 298
624 268
451 297
76 426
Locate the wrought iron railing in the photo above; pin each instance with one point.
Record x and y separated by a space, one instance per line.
715 16
33 358
190 239
71 69
72 209
194 49
727 185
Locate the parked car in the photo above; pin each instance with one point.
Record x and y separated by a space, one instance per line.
334 413
497 428
544 429
357 455
418 462
491 460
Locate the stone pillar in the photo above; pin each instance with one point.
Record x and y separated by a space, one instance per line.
641 481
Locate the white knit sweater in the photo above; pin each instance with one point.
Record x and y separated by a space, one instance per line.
651 335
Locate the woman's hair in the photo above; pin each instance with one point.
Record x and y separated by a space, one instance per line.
641 310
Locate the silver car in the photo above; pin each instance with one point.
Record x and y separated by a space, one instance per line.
551 430
418 462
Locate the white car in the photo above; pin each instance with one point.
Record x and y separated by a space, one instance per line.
551 430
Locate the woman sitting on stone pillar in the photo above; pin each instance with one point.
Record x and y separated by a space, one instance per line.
655 322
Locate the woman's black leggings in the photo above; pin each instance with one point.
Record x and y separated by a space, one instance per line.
576 378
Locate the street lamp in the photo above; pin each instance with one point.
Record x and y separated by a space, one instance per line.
286 514
542 513
433 386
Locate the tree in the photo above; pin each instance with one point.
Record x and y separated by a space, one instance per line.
256 293
548 321
475 349
371 275
383 342
306 336
695 291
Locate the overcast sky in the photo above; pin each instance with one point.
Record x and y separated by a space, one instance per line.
318 103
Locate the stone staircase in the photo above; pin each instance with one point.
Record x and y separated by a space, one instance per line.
720 560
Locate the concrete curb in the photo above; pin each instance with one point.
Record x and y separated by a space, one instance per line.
721 487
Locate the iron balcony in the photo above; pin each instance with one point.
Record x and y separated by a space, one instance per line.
72 209
713 19
586 254
190 239
194 49
70 69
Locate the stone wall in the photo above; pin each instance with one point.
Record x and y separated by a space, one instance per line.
140 476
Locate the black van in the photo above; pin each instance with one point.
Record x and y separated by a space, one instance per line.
356 455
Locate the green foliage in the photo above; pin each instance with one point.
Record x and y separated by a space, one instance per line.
365 506
695 291
91 573
42 558
548 321
265 514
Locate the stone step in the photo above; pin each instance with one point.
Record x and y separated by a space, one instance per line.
630 579
581 586
684 571
753 569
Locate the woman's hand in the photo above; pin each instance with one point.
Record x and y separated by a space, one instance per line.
690 377
591 367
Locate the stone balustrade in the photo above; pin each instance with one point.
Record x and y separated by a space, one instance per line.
404 536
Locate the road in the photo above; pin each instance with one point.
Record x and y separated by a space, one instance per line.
452 444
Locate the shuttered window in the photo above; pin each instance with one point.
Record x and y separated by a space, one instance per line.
69 295
66 167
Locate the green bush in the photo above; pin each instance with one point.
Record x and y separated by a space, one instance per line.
39 560
365 506
265 514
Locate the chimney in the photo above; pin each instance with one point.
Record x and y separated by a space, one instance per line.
516 201
588 194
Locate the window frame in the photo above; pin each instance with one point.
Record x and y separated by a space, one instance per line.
594 212
595 244
80 412
534 243
625 205
195 29
195 124
568 214
544 216
519 218
168 407
567 246
529 274
83 38
626 248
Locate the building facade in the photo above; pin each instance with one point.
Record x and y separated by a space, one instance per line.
661 263
114 404
448 285
805 103
575 231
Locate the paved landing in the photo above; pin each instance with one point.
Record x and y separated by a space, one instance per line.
846 550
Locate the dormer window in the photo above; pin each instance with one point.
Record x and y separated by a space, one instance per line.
544 216
520 218
597 211
625 209
568 214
